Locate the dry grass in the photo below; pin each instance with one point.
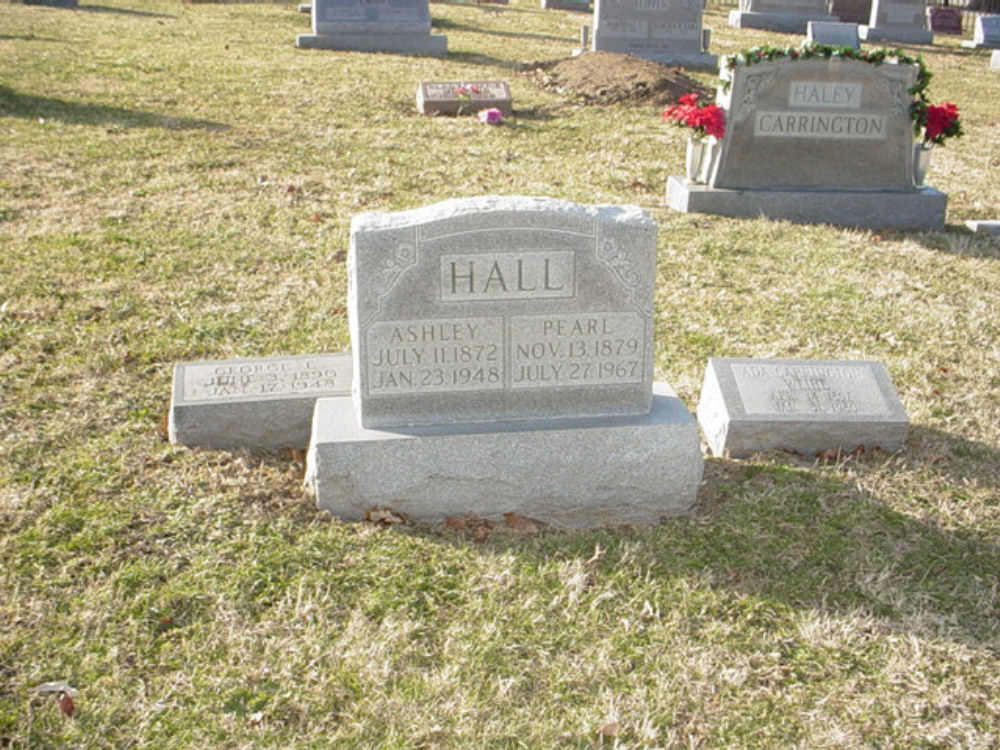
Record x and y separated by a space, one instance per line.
176 183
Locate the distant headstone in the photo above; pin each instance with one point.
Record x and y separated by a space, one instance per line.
54 3
837 34
995 60
986 33
942 20
396 26
789 16
819 141
852 11
581 6
898 21
665 31
503 364
255 404
305 8
752 405
463 97
982 226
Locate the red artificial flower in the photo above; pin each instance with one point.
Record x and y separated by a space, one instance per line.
707 119
942 122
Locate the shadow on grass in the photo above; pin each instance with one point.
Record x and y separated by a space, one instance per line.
781 532
123 11
27 38
15 104
446 24
957 239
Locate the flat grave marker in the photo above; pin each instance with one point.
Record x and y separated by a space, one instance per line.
752 405
256 404
463 97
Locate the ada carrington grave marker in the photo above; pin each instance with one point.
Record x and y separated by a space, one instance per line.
492 308
805 406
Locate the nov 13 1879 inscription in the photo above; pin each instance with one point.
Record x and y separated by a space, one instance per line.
501 308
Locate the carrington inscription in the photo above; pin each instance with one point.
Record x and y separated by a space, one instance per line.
809 389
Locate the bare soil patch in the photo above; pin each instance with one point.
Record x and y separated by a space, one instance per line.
602 78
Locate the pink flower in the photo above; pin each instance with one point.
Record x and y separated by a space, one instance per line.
491 116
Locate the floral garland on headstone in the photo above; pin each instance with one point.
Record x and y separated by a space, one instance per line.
815 50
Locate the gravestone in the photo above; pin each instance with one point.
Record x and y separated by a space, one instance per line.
898 21
254 404
752 405
581 6
852 11
503 362
837 34
463 97
984 226
816 141
665 31
54 3
985 34
789 16
395 26
944 20
995 60
305 8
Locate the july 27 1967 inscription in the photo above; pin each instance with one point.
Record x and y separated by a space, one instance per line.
502 308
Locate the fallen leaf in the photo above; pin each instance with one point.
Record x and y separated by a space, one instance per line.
523 524
384 516
66 705
315 218
611 729
340 256
478 527
163 426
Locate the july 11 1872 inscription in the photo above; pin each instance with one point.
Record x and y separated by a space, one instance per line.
493 308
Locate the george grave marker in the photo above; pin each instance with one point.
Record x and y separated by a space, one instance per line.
752 405
398 26
837 34
898 21
256 404
985 34
816 140
503 364
789 16
463 97
665 31
944 20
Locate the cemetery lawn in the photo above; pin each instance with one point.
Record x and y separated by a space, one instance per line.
176 184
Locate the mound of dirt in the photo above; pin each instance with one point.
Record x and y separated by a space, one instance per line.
602 78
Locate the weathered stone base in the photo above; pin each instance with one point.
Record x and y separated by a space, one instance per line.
971 44
922 209
789 23
400 44
572 472
983 226
901 34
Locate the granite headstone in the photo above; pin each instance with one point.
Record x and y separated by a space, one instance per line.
985 33
852 11
789 16
942 20
837 34
395 26
665 31
898 21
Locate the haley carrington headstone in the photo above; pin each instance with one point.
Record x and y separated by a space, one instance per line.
503 364
789 16
816 141
665 31
753 405
394 26
253 404
901 21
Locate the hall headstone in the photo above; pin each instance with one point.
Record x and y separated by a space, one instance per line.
254 404
665 31
898 21
503 364
789 16
752 405
395 26
837 34
816 140
985 33
463 97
